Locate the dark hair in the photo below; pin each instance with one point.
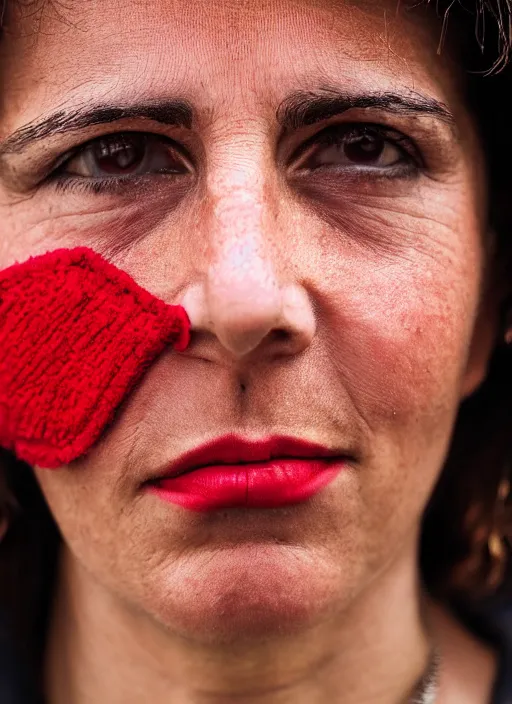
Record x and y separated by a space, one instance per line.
465 550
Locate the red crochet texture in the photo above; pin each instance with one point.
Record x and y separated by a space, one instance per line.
76 335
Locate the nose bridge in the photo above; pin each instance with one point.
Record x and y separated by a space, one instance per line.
242 288
241 195
243 239
247 292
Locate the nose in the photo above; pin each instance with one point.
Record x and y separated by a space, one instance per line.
243 300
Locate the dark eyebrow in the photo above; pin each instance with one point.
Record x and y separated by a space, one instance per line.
305 108
177 113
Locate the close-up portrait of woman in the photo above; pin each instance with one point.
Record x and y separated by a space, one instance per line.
255 352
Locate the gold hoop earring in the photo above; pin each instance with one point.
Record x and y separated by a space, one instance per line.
496 543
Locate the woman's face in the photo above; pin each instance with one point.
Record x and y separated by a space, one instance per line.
259 177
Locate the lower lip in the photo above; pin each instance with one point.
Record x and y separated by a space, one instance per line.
269 484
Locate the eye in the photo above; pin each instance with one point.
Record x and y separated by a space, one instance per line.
354 146
124 155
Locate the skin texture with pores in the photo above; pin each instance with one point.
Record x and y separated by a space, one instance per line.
331 302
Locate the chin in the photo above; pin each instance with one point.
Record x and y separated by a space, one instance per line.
245 593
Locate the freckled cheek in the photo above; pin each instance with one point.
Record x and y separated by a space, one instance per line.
108 224
402 352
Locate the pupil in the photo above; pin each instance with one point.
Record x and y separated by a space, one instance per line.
365 149
122 155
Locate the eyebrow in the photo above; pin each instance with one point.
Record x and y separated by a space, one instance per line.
305 108
298 110
175 113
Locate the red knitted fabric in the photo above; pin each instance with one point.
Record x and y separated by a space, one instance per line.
76 334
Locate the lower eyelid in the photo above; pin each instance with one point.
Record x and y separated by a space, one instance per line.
123 185
402 165
402 171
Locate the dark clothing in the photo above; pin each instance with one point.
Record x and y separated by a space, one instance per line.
15 686
496 627
503 687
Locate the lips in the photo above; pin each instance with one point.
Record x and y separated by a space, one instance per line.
234 450
234 473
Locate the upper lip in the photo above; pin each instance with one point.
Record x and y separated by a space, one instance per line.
233 449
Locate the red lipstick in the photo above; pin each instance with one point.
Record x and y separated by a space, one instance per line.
235 473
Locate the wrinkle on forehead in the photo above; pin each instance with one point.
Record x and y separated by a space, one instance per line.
360 30
233 61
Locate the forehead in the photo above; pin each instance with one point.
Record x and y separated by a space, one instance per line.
225 52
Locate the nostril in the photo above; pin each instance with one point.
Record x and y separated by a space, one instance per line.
241 323
280 335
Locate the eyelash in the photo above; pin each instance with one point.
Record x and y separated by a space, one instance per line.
117 185
97 186
334 135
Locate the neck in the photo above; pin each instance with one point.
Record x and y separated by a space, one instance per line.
101 649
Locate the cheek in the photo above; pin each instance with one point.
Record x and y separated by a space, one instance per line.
399 328
405 283
404 350
399 332
106 529
106 227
